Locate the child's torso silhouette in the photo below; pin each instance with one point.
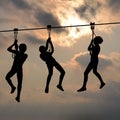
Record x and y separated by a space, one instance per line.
19 59
94 53
47 57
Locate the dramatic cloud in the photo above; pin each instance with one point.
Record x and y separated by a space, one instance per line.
115 5
34 40
88 10
108 64
94 104
115 56
84 58
21 4
3 3
33 13
46 18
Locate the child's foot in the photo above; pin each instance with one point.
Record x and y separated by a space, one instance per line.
60 87
82 89
13 90
46 90
102 85
17 99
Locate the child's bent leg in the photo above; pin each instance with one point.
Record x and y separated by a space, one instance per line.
59 86
62 74
8 76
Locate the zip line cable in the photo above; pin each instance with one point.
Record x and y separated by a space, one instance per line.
54 27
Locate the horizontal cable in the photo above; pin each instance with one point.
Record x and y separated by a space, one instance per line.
28 29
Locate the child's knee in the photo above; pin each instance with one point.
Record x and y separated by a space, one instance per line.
85 73
95 72
50 73
7 77
63 72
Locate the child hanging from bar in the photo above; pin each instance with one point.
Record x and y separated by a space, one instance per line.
94 50
19 59
51 62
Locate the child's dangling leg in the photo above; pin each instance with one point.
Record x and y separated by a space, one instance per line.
8 76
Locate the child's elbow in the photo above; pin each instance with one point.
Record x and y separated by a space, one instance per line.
8 49
89 49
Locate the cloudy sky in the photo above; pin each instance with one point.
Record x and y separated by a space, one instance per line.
70 50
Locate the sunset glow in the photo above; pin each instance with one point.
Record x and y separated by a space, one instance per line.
70 51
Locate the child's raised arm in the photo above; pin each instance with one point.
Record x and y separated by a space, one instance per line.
49 42
90 45
16 47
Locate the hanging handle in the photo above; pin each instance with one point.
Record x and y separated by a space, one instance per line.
15 37
92 26
15 33
49 30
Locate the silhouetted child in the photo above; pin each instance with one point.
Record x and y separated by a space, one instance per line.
51 62
19 59
94 50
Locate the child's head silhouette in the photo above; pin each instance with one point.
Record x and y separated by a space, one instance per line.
42 49
22 47
98 40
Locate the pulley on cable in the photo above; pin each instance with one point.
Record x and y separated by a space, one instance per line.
49 30
15 33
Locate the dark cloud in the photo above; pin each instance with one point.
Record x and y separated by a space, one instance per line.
87 11
21 4
4 2
104 62
114 4
46 18
34 40
83 59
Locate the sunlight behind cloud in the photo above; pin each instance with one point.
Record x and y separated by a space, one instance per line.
70 51
69 17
